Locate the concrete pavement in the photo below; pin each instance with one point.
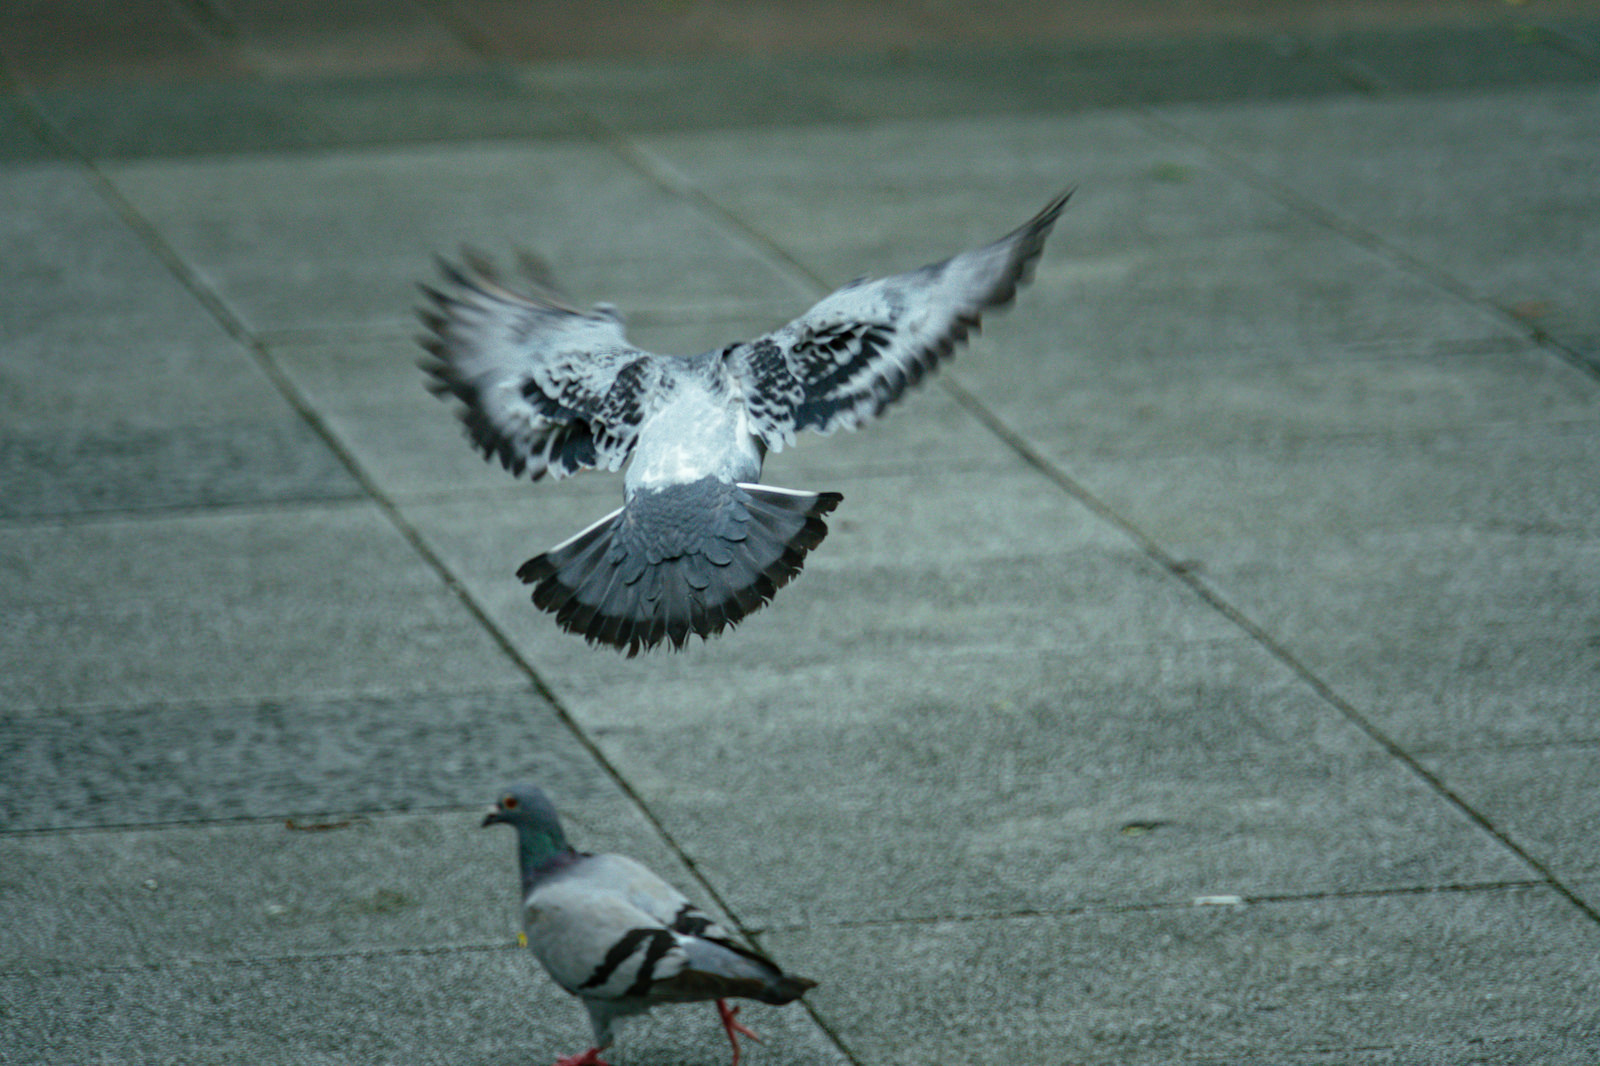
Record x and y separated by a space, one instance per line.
1204 668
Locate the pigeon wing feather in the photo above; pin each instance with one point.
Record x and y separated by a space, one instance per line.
545 388
859 348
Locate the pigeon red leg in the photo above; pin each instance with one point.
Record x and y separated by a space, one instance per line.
733 1028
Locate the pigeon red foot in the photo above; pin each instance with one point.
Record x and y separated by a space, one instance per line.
734 1028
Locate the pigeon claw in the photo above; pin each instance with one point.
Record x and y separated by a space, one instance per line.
733 1028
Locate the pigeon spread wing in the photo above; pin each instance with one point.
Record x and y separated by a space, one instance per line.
546 388
861 347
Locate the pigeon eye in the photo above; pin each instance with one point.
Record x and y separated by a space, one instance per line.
509 803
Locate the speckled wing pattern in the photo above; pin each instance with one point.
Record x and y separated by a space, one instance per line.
545 388
860 348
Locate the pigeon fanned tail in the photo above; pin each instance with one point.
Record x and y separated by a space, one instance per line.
682 560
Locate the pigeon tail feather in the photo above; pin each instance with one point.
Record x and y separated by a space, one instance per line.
786 989
681 561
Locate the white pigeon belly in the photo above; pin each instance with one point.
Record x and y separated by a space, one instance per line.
698 435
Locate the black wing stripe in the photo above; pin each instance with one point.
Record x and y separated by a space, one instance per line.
660 944
691 921
624 949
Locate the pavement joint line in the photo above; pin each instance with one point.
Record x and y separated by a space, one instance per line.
200 703
110 515
1026 914
283 958
467 35
1093 908
1364 238
295 821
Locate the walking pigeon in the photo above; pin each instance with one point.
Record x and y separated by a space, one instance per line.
619 938
697 544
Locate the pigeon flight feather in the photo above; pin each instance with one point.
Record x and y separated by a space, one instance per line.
621 939
698 544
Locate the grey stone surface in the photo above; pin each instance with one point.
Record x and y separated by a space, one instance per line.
248 462
1481 203
253 605
1409 978
1541 794
19 139
639 96
914 565
349 881
1444 636
1223 403
1148 776
1208 677
469 1006
1510 55
341 241
299 114
70 768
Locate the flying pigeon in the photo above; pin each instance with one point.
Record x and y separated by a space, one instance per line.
697 544
621 939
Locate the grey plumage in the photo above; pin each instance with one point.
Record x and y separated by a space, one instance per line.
621 939
697 544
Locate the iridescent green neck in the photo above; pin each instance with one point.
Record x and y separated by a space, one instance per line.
539 850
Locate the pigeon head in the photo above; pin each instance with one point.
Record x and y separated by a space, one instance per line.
539 837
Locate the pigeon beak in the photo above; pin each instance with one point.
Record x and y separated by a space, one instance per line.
492 817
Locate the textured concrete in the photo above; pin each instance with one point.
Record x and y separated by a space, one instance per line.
1204 669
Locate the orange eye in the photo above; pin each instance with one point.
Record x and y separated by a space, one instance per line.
509 803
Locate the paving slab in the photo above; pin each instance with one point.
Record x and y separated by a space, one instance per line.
131 896
245 604
115 41
80 270
640 96
356 35
1310 491
299 756
20 141
122 393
